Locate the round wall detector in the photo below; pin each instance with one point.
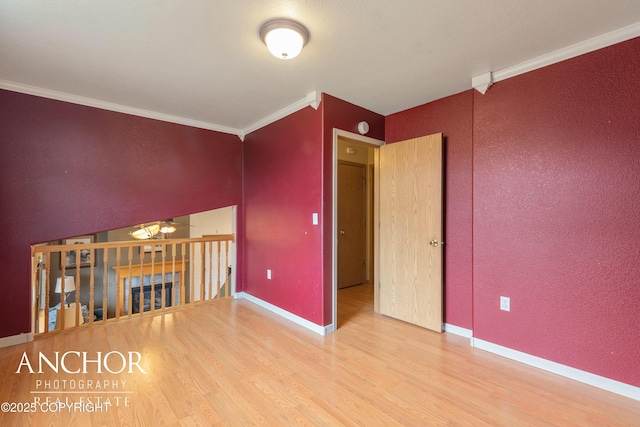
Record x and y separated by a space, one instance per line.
363 127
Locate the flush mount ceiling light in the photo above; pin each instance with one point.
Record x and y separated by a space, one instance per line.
167 228
284 38
145 232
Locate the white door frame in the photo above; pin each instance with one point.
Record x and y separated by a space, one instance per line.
337 133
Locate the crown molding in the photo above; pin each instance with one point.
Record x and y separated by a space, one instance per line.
312 99
482 82
96 103
599 42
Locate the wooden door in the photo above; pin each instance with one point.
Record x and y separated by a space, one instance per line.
411 231
352 255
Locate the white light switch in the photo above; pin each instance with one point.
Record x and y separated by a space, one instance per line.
314 218
268 274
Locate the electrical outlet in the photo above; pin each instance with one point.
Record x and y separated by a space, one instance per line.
505 303
268 274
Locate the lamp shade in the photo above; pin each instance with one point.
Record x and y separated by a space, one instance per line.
69 284
284 38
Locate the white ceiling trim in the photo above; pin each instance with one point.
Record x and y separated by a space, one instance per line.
312 99
481 82
90 102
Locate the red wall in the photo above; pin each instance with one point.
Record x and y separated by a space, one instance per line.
554 205
453 117
288 177
554 217
341 115
69 170
557 212
282 189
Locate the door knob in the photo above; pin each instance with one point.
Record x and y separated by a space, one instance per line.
434 243
342 232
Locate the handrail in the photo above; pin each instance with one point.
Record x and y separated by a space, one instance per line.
127 243
179 272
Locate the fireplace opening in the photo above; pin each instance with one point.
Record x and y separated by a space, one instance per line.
146 295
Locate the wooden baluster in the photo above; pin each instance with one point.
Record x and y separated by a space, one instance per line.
215 262
162 291
210 245
174 288
92 293
169 270
203 273
208 270
47 280
63 268
152 281
36 291
183 277
105 285
118 295
192 256
219 272
141 298
130 280
224 269
227 287
36 278
78 303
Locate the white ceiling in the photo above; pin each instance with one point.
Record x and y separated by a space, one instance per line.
203 61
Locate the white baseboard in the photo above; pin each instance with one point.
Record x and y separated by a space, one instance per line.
604 383
321 330
16 339
457 330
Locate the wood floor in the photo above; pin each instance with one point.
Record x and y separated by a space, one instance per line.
233 363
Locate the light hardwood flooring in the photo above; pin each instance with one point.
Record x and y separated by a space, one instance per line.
233 363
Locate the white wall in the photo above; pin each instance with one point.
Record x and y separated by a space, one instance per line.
218 221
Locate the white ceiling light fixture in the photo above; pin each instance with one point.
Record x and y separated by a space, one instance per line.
145 232
148 231
284 38
167 228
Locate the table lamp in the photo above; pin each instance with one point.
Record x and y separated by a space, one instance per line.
69 286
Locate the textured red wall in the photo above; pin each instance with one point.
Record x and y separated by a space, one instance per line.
341 115
557 212
282 189
287 177
69 170
453 117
